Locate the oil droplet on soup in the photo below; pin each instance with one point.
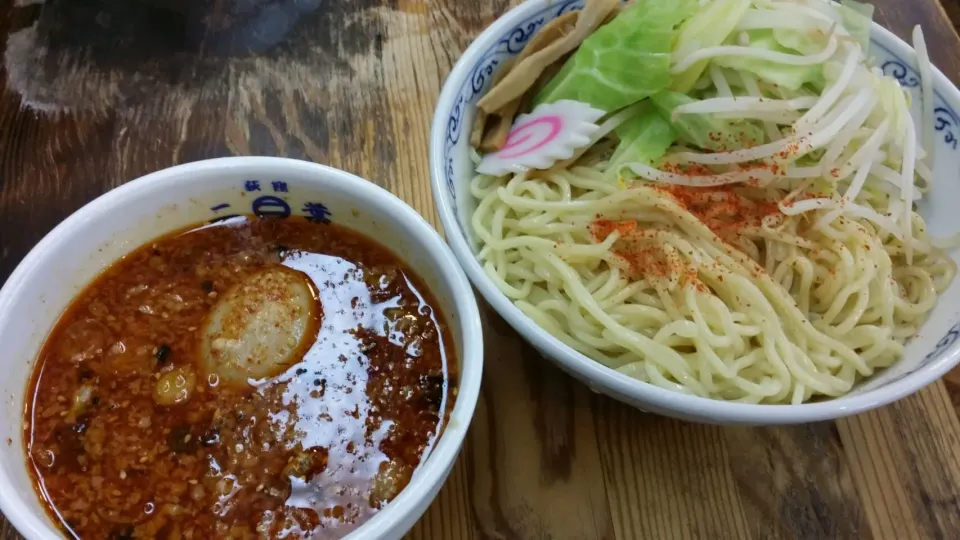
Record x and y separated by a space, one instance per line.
256 379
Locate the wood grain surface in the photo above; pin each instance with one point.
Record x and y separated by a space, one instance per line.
96 92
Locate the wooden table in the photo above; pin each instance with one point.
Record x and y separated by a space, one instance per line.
124 87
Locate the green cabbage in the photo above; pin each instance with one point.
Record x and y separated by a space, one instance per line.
624 61
785 75
644 138
857 19
708 28
705 130
801 41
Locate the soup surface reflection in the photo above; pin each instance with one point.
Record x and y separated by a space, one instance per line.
254 378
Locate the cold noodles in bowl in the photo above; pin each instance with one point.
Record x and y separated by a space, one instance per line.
716 198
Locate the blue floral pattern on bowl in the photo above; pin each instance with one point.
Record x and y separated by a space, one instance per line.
946 120
510 44
946 126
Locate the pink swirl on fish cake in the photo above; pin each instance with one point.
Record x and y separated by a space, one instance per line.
523 140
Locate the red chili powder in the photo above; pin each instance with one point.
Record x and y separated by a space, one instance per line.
602 228
721 208
697 169
642 254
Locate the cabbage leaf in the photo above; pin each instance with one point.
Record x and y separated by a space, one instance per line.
857 19
785 75
708 28
644 138
624 61
705 130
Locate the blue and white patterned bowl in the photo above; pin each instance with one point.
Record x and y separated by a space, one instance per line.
928 356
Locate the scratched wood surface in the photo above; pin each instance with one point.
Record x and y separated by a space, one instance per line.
97 92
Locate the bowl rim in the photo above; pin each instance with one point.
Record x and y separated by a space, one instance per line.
416 497
607 380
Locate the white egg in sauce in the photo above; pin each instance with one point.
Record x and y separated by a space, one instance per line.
260 327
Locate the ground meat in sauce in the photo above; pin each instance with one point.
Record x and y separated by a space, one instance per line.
131 437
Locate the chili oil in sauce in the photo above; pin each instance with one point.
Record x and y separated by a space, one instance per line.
138 428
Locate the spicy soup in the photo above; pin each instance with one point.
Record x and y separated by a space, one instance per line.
253 378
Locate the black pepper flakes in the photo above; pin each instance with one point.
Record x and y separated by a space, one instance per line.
180 439
122 532
211 437
163 352
207 286
432 388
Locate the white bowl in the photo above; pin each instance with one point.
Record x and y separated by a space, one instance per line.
927 356
101 232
